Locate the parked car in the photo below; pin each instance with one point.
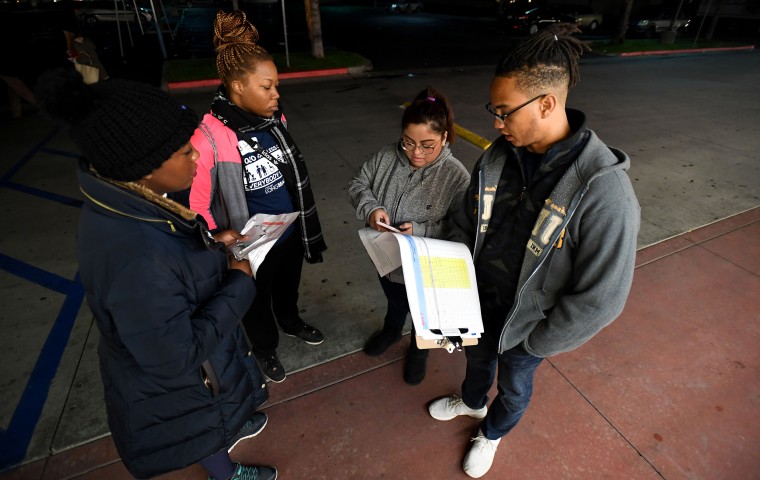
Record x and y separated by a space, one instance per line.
95 12
405 7
584 16
652 20
203 3
532 20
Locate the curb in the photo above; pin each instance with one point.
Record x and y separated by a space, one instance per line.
687 50
212 84
471 137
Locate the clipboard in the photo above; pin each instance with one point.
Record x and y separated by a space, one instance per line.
425 344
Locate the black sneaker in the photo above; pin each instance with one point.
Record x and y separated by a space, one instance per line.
414 368
272 368
250 429
379 342
308 334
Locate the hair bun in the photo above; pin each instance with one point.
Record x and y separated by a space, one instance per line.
63 95
233 29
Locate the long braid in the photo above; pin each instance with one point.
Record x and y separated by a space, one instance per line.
547 58
236 44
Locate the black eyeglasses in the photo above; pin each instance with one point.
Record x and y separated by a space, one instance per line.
503 116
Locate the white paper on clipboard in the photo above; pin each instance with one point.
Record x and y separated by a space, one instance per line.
440 281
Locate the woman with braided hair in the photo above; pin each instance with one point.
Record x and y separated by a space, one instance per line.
552 220
410 183
249 164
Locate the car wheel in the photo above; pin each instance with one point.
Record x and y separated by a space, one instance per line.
592 26
651 32
533 29
91 20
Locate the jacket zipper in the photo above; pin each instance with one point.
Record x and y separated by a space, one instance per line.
520 293
111 209
400 197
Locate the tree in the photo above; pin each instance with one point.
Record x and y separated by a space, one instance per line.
619 36
314 22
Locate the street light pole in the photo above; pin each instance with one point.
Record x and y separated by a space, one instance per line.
285 32
702 23
159 33
675 18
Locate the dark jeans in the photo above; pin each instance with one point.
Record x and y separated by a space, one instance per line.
277 282
515 368
398 309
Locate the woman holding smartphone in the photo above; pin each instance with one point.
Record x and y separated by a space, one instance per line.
409 184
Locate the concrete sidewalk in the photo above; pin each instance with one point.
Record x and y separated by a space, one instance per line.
670 387
668 391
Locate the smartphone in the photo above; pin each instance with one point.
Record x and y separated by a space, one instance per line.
392 229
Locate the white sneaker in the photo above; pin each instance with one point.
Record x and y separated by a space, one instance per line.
479 459
447 408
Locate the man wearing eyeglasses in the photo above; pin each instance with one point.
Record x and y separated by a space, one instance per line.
552 220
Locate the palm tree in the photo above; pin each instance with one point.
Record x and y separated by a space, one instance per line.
314 23
619 36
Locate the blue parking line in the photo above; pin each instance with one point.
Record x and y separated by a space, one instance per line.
60 153
44 194
33 274
14 441
20 164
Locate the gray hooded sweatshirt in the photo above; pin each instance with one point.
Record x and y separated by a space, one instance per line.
578 264
420 196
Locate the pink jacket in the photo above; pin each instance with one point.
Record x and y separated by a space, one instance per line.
223 174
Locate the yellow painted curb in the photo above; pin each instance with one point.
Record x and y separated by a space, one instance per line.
471 137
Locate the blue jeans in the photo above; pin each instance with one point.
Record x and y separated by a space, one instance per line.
515 368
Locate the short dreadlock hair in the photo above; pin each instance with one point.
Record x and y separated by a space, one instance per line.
237 49
547 60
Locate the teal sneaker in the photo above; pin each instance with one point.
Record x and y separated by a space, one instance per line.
250 429
252 473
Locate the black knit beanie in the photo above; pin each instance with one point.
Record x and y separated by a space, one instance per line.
124 129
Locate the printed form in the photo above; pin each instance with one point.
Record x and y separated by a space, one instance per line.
439 278
262 231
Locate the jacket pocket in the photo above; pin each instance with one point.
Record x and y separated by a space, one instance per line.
210 380
557 271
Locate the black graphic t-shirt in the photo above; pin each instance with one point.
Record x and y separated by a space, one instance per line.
265 190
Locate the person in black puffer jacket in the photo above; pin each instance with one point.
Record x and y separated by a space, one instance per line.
180 384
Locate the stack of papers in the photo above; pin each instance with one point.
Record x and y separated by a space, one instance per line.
262 231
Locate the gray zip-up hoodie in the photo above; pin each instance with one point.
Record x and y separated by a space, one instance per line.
420 196
578 265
